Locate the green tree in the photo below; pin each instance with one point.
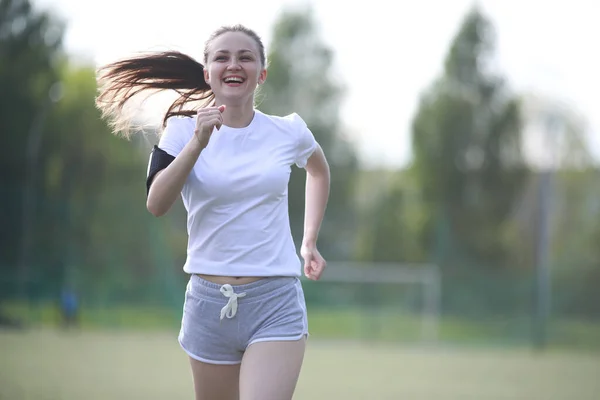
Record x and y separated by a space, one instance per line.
466 139
392 221
467 172
93 227
300 79
30 42
573 187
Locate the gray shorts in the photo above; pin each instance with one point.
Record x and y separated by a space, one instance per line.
220 321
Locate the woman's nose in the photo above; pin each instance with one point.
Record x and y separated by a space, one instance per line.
233 64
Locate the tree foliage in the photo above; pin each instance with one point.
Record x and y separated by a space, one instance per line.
467 172
30 44
74 193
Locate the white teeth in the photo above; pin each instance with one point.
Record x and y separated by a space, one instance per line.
233 79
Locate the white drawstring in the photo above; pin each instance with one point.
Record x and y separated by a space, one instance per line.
230 308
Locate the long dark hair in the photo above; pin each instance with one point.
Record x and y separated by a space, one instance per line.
122 80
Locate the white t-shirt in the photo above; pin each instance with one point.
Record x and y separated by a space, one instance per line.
236 195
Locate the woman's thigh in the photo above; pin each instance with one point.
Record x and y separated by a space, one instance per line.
270 370
214 381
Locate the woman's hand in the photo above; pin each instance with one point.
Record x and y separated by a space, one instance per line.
314 263
208 119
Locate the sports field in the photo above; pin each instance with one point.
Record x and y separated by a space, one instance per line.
55 365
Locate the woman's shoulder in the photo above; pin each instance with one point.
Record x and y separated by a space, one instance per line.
180 122
176 133
291 122
178 125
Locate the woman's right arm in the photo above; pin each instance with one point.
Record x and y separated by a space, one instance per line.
167 184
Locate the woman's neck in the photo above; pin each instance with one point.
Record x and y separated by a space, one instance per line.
238 116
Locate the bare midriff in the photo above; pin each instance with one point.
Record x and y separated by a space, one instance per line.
232 280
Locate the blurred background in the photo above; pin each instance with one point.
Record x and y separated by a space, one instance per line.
462 226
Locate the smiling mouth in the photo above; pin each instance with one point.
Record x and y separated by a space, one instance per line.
233 80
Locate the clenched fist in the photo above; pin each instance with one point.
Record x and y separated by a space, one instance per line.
208 119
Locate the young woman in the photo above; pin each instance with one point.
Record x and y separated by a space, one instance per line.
244 322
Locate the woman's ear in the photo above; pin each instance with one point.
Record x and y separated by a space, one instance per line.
206 76
262 77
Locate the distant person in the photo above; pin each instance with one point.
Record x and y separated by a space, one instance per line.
69 307
244 322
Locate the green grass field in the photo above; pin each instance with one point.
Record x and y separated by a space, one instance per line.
348 323
103 365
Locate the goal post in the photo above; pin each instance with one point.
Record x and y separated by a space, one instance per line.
426 276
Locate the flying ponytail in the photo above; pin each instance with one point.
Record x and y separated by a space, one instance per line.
120 81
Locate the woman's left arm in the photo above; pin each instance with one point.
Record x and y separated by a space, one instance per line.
317 195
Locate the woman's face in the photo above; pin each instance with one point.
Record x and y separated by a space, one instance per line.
234 68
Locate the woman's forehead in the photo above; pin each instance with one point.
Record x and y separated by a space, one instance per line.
233 42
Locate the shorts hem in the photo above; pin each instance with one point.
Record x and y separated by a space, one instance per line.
206 360
279 338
